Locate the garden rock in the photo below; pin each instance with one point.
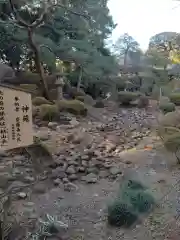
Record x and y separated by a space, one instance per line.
58 173
57 182
22 195
90 178
52 125
70 170
70 187
73 177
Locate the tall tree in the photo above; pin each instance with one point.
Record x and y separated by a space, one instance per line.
124 45
73 32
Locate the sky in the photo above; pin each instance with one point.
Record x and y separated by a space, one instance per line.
144 18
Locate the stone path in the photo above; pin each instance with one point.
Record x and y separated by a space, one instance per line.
95 159
84 209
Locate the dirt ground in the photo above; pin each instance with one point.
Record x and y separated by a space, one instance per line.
83 207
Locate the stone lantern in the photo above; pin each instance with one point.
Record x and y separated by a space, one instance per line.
59 84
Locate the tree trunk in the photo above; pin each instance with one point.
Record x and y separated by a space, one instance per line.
1 231
39 67
80 78
125 61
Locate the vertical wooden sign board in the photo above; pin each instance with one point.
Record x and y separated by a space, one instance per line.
15 118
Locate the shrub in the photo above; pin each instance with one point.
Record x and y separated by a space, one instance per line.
166 107
29 87
48 112
53 94
134 185
127 97
171 139
164 99
87 99
73 106
169 131
175 98
73 92
143 101
121 85
38 101
132 200
80 98
121 214
141 201
170 119
172 142
99 104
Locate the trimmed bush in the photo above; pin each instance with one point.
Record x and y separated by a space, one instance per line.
87 99
121 85
73 92
29 87
170 137
99 104
48 112
126 98
38 101
175 98
143 101
73 106
172 142
80 98
166 107
164 99
121 214
170 119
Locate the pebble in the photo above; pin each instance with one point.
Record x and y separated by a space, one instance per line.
70 187
52 125
93 170
22 195
70 170
73 177
85 157
81 169
58 173
29 179
90 178
65 180
57 182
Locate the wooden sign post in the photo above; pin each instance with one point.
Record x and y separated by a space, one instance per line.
15 118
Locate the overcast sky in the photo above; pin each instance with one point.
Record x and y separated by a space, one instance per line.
144 18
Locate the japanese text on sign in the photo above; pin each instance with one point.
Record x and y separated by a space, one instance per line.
15 118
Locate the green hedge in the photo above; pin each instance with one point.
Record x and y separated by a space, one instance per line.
126 98
175 98
166 107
